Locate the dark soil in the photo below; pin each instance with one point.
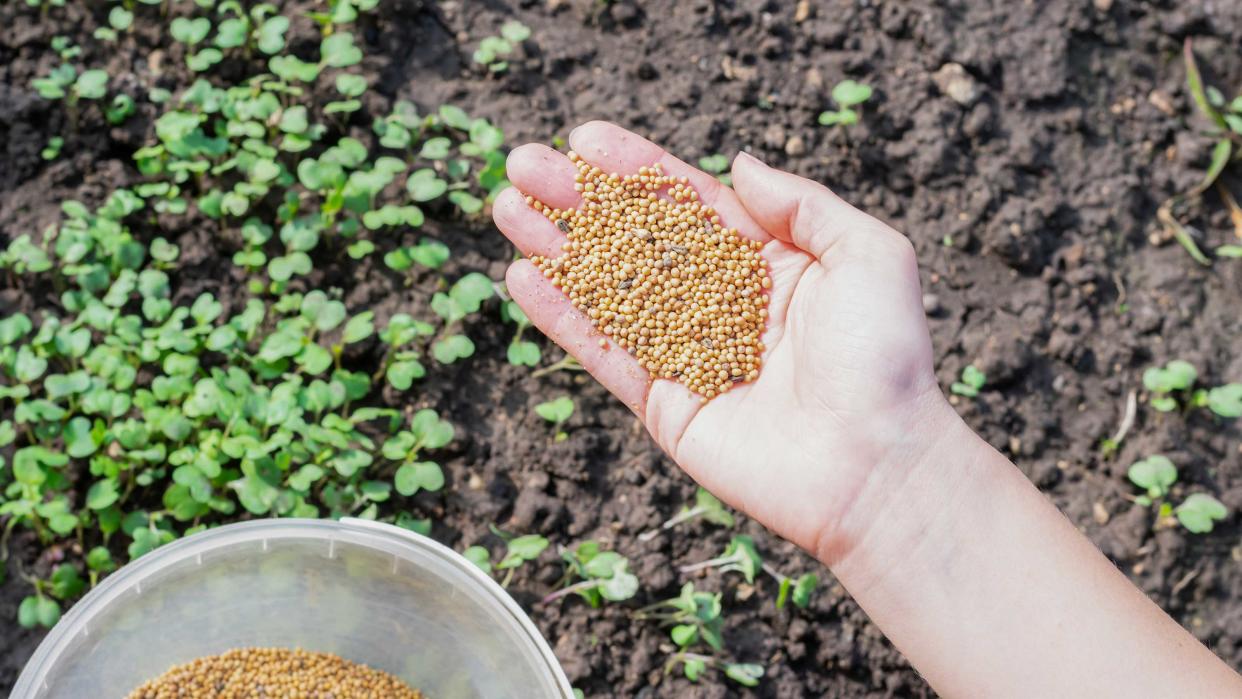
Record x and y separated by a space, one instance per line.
1032 207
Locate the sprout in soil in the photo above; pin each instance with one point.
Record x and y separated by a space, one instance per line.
557 411
1164 382
1198 513
1177 380
518 550
971 383
799 589
705 505
1156 474
52 150
1226 401
465 297
521 352
847 94
717 165
595 575
400 365
740 555
493 50
1225 125
426 431
694 618
217 407
42 608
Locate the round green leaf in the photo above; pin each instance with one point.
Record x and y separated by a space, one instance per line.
421 475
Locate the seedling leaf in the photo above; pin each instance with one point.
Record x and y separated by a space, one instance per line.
1155 474
1199 513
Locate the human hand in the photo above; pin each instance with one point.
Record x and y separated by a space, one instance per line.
847 373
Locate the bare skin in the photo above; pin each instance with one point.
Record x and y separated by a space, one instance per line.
846 446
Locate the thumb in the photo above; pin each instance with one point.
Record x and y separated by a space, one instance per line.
797 210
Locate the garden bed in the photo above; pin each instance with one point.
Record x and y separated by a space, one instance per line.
1029 184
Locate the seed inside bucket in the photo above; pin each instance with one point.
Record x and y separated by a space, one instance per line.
251 673
657 272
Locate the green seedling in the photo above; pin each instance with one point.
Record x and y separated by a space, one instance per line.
133 415
1225 125
740 556
1226 401
599 575
65 83
521 352
52 150
400 365
717 165
1156 474
518 550
705 506
1176 382
694 618
1165 382
120 19
971 383
798 589
847 95
464 298
1199 513
43 608
120 109
426 431
493 50
557 411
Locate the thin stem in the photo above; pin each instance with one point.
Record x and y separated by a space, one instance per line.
707 564
683 516
576 587
567 363
780 577
4 539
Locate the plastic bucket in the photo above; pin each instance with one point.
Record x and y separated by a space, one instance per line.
372 593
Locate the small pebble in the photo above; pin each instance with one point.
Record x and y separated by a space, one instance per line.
957 84
931 304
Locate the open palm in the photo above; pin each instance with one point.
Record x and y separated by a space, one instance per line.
848 353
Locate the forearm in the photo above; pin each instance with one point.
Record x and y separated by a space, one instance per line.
990 591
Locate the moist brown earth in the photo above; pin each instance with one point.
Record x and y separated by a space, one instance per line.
1028 179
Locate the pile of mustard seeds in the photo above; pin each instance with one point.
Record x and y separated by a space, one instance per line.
654 269
274 673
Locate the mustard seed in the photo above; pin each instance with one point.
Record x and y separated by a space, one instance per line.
653 268
251 673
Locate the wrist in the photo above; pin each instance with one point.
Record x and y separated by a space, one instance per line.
912 457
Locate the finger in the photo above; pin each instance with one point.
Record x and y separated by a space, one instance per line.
551 312
544 174
614 149
795 209
524 227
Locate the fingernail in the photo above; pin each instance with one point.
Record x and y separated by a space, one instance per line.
743 155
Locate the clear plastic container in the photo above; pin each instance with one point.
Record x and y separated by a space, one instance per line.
371 593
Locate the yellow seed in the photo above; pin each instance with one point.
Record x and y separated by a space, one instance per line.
250 673
657 271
